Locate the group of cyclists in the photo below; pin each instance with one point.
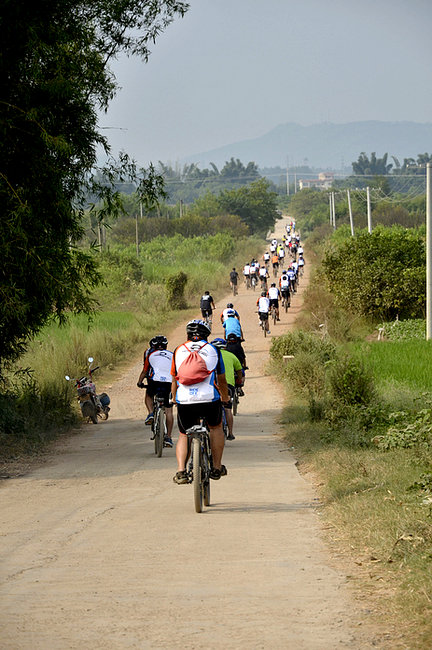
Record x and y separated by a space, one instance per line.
201 377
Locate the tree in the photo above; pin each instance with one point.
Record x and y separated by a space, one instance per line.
255 204
54 77
372 167
380 274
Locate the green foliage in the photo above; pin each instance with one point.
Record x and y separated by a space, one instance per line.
350 382
405 330
175 287
408 430
254 204
380 274
54 80
374 166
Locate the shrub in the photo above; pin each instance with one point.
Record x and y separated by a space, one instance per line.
175 287
350 383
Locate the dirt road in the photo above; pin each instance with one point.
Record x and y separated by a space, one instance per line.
100 549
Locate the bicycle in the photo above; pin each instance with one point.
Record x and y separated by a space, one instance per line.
208 320
159 428
234 288
286 301
253 282
235 399
247 280
263 326
273 314
200 465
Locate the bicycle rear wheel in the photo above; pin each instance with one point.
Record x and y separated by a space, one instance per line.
197 474
159 432
206 478
235 401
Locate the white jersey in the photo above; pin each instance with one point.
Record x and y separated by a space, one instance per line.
266 257
272 248
273 293
246 270
160 365
204 391
263 305
263 272
300 250
284 282
281 253
301 261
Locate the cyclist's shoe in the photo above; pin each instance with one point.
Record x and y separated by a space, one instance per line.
278 319
215 474
241 392
168 442
149 419
181 477
230 436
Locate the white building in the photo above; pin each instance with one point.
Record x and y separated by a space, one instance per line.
323 182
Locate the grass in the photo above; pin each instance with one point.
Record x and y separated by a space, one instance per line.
381 524
405 362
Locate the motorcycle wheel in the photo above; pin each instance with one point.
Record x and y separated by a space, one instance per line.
103 414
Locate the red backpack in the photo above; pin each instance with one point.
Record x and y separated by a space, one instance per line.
193 369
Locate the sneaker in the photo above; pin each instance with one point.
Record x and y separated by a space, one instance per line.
224 470
181 477
230 436
149 419
168 442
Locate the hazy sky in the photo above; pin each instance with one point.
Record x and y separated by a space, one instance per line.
233 69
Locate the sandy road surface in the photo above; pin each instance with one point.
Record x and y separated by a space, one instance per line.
100 549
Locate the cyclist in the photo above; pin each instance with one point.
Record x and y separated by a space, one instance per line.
233 374
233 278
224 314
274 294
232 325
275 263
254 267
233 344
263 304
196 369
263 275
266 258
246 274
157 369
284 285
301 264
207 305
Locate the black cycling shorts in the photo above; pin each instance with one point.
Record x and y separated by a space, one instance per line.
263 315
190 414
162 388
206 313
275 302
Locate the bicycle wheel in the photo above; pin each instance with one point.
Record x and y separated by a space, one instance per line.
197 474
235 401
274 316
159 432
206 478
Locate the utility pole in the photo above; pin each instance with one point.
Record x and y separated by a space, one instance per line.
428 253
334 211
295 183
330 207
287 176
369 215
350 213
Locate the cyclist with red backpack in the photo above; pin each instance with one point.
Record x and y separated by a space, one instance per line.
198 386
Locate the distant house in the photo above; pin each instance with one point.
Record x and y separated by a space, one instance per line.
323 182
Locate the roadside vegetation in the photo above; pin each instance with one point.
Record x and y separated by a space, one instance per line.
359 412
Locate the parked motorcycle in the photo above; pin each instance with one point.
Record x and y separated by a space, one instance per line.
92 405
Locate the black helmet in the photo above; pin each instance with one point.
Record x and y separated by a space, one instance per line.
159 342
230 305
232 337
263 293
197 330
219 343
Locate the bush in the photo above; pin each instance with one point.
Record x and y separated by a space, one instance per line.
175 287
350 383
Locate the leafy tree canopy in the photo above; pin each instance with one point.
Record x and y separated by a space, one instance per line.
255 205
380 274
54 77
373 166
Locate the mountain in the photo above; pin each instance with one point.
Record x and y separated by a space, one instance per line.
324 145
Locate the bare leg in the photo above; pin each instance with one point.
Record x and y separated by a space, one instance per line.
149 403
230 420
182 449
169 421
217 443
